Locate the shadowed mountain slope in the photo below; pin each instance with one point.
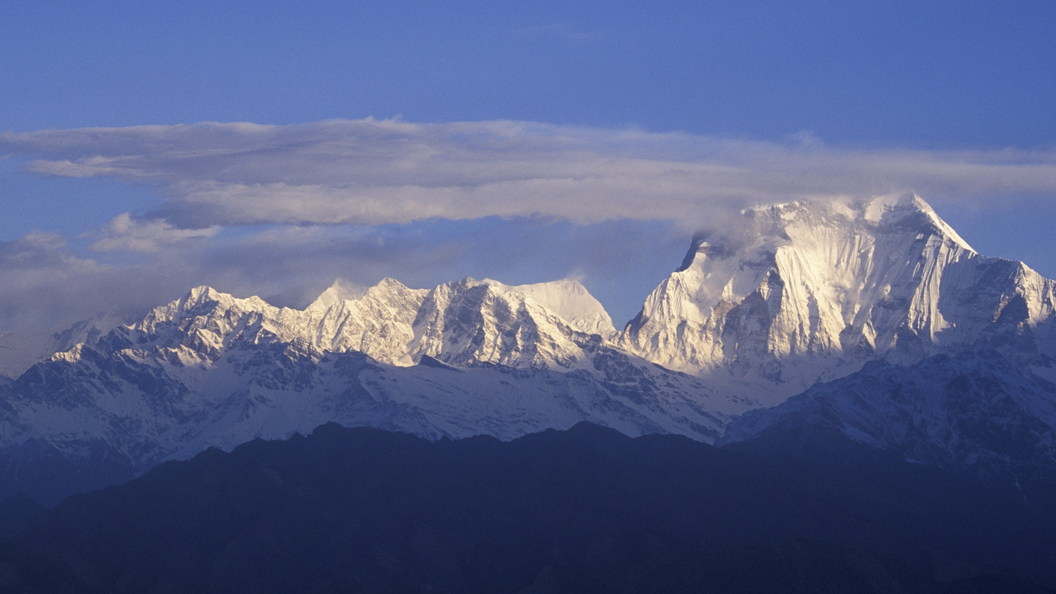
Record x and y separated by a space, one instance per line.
585 510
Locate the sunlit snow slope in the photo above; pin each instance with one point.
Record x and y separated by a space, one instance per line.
211 370
808 291
797 293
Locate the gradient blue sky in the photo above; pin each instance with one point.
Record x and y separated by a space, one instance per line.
519 141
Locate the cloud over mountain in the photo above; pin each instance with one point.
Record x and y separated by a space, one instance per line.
281 211
388 171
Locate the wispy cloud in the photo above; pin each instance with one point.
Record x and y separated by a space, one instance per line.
48 283
128 234
385 171
40 279
283 211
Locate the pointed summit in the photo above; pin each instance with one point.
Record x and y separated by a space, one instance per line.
335 294
376 322
569 299
810 290
540 326
909 210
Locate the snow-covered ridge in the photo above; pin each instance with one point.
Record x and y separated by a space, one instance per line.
976 410
808 291
569 300
542 325
212 370
800 292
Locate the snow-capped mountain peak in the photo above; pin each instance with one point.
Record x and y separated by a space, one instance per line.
541 325
470 321
908 209
334 295
213 370
805 291
377 322
568 299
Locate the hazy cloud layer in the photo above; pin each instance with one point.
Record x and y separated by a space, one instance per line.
283 211
47 284
126 233
374 172
41 280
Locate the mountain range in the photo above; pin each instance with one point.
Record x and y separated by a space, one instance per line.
873 319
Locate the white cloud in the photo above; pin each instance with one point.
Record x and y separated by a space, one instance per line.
371 171
47 283
282 211
40 281
125 233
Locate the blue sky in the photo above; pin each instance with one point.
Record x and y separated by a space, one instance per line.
519 141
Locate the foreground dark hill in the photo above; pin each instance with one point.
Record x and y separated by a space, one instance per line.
585 510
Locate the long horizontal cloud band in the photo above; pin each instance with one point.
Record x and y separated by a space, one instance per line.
384 171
